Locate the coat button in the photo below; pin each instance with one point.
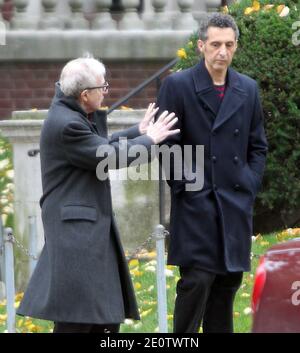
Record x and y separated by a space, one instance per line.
236 159
236 132
214 159
236 187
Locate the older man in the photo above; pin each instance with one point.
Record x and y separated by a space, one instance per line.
211 228
81 281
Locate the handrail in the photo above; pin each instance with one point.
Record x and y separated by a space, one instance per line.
140 87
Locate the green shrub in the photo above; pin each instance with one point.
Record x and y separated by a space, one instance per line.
267 54
6 183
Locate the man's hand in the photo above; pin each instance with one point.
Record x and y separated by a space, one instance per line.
160 130
148 118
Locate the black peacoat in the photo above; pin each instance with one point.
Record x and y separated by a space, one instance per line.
212 228
82 275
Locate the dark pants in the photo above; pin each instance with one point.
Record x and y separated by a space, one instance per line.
66 327
207 298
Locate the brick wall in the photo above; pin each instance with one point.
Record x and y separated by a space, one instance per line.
31 85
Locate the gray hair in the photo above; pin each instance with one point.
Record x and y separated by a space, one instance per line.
217 20
80 74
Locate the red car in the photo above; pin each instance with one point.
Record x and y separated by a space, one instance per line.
276 292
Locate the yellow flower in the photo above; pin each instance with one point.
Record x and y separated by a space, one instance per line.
16 305
256 6
137 285
264 243
181 53
3 317
268 7
236 314
146 312
20 322
124 107
248 10
279 8
245 295
136 273
33 328
225 9
19 296
133 263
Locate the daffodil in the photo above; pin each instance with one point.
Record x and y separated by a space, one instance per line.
225 9
256 5
279 8
137 285
146 312
133 263
248 10
181 53
268 7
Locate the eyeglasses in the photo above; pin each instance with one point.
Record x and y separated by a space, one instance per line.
104 87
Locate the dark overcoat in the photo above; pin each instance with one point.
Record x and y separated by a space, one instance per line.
82 274
212 228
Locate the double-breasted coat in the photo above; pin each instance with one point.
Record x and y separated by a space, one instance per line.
211 228
82 275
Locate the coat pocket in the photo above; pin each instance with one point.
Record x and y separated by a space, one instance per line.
253 179
78 212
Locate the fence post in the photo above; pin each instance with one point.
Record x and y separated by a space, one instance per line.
9 280
159 236
32 243
2 275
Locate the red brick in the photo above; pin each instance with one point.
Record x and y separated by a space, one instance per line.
6 104
38 83
4 93
20 93
42 103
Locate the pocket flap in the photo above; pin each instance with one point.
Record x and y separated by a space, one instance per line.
77 212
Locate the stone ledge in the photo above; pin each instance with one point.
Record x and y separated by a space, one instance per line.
106 45
26 125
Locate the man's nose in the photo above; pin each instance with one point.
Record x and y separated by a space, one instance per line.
223 50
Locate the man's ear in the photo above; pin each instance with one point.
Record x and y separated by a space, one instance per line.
83 96
200 45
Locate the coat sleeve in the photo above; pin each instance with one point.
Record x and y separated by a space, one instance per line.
85 149
130 133
257 145
171 100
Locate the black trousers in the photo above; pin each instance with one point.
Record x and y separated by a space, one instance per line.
207 298
67 327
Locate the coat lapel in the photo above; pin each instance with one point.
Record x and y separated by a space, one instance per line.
234 94
100 118
234 97
204 87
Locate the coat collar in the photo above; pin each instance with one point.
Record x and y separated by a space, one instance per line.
234 97
97 120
